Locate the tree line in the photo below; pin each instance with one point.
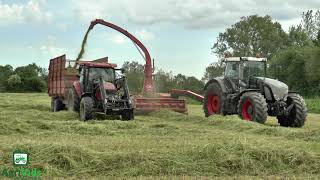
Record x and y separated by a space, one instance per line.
33 78
294 58
30 78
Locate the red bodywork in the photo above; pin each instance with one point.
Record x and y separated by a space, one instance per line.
178 92
63 76
60 79
148 86
154 101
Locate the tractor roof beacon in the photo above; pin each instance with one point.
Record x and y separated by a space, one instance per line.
245 90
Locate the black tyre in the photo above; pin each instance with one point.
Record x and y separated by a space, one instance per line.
252 106
298 113
213 100
86 108
127 115
73 100
56 104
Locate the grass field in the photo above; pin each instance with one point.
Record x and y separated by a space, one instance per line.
163 145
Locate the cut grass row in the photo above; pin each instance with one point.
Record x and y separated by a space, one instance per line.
164 144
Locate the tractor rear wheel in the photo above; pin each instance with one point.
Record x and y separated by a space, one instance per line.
252 106
73 100
127 115
56 104
213 100
298 113
86 108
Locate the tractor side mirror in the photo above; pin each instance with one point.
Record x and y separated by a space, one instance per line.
123 70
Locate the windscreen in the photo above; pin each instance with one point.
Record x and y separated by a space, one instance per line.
232 70
253 69
107 74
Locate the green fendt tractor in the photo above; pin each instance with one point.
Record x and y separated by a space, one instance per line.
245 90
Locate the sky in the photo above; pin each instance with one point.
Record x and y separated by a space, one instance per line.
179 34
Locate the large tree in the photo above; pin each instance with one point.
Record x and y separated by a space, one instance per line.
311 23
250 36
299 67
5 72
135 75
298 37
212 71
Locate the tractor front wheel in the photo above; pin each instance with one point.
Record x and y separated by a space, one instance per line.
86 108
252 106
213 100
297 114
127 115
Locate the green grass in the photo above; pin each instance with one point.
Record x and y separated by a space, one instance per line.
313 104
162 145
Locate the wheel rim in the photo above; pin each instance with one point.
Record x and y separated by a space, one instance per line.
247 110
213 104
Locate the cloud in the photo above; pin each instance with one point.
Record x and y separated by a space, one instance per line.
16 13
119 39
52 51
145 35
191 13
86 11
49 47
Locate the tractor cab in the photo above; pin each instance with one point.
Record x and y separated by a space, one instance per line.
104 88
241 71
90 75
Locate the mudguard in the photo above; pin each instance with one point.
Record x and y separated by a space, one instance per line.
218 80
77 87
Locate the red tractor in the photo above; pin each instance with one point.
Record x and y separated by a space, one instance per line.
148 100
66 89
89 87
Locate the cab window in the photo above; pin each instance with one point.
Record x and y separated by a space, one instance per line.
232 70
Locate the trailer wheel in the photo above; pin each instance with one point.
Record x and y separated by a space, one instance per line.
252 106
127 115
213 100
73 100
298 113
56 105
86 108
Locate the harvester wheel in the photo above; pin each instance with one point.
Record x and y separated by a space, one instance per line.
127 115
213 100
73 100
86 108
56 104
298 113
252 106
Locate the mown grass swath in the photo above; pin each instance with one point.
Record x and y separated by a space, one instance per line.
165 143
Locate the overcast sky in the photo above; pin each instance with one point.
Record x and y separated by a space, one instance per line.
178 33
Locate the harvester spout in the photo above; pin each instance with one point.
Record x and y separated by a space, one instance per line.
148 70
